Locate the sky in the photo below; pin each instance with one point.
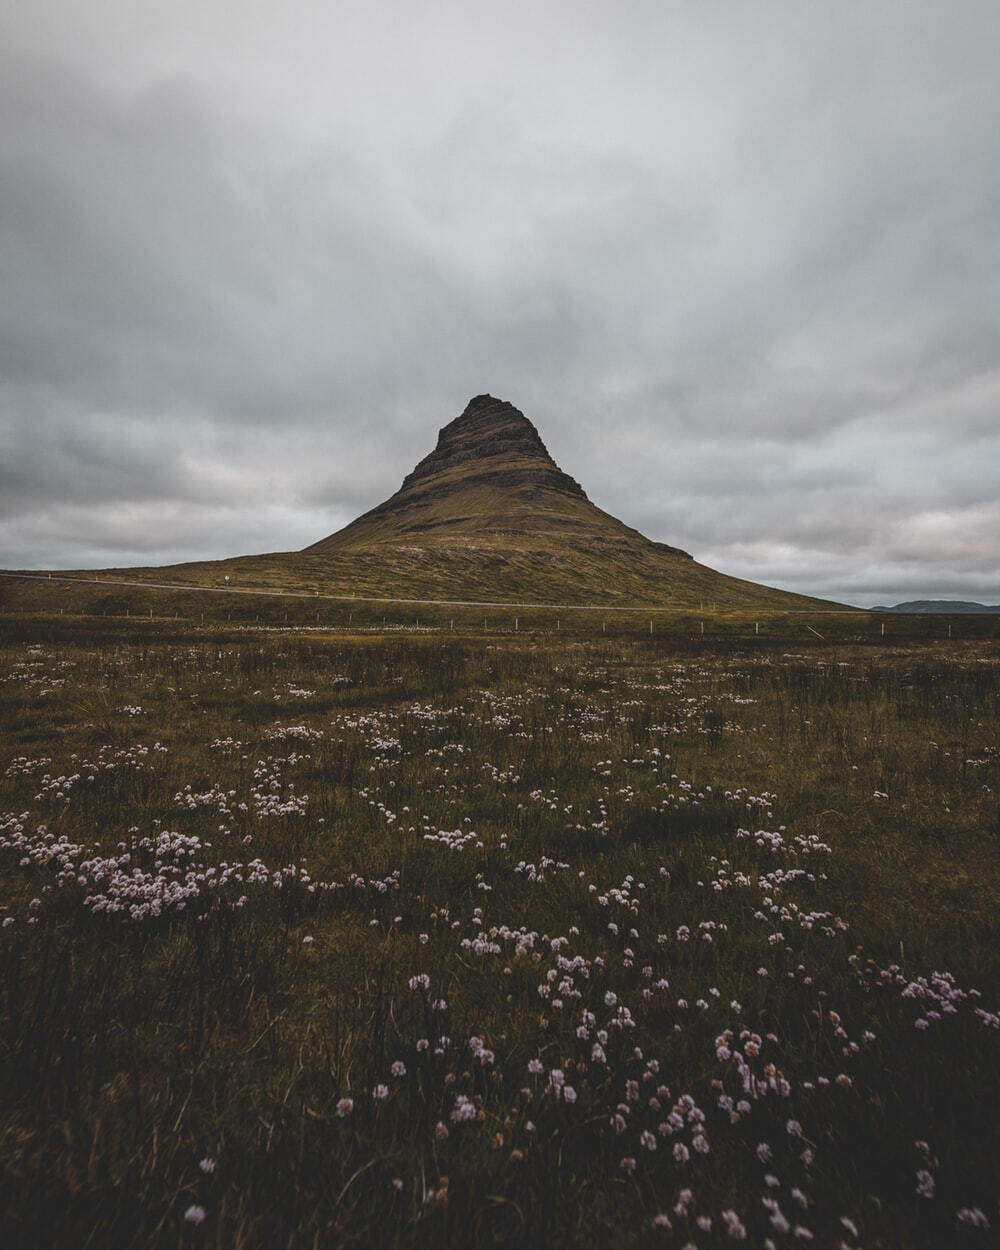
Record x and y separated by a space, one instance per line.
738 262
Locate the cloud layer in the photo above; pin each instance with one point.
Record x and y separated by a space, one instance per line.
738 263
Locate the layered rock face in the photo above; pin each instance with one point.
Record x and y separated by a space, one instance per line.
491 442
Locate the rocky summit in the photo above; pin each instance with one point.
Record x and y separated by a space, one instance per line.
492 441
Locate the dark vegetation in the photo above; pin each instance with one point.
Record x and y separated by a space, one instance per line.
697 912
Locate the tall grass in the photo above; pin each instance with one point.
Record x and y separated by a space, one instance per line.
462 941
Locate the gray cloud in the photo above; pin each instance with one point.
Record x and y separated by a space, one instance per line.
739 265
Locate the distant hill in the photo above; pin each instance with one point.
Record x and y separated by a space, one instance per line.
939 605
488 516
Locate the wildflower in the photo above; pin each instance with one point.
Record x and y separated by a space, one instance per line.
734 1226
420 982
194 1214
793 1128
464 1109
569 1094
380 1093
535 1067
973 1217
684 1200
661 1221
647 1140
681 1152
398 1068
207 1165
344 1107
397 1185
627 1165
925 1184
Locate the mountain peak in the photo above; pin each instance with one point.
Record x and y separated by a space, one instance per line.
492 440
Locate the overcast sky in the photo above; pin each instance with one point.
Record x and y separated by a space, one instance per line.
738 261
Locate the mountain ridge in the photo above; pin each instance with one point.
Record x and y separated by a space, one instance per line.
942 606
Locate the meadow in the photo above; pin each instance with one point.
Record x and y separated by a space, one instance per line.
460 939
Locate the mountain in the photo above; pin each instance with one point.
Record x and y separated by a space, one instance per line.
488 516
939 605
489 484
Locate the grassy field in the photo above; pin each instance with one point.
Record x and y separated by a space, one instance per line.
446 935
